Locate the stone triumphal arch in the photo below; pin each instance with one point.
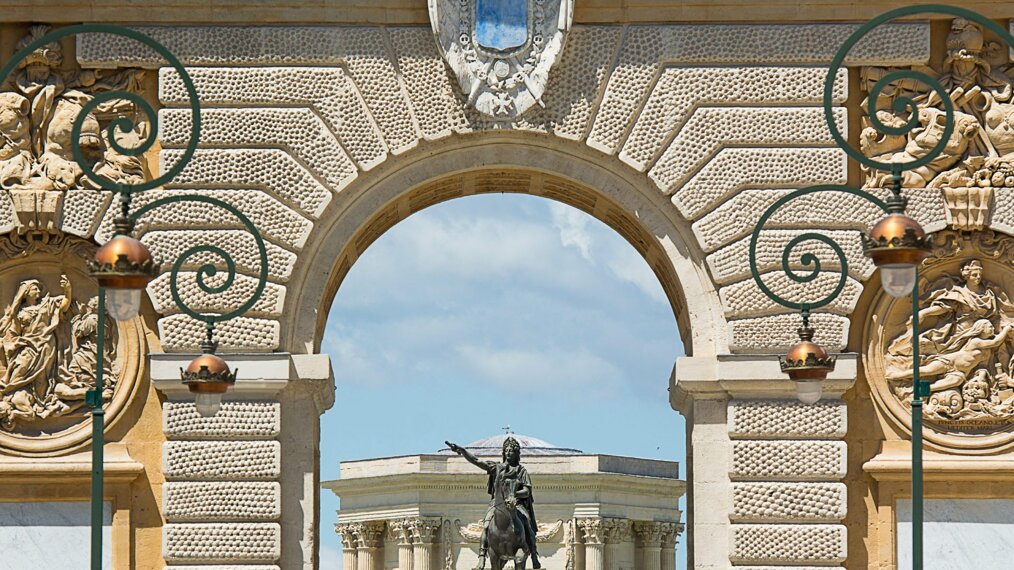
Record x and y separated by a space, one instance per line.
677 124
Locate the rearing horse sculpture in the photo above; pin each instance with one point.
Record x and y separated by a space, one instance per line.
506 533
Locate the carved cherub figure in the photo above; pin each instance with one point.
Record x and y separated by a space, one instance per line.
15 144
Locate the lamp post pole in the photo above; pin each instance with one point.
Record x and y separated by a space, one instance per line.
917 395
94 400
124 266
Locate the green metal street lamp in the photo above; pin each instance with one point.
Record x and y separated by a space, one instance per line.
896 244
124 266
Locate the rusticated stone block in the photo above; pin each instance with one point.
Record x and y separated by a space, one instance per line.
776 333
787 419
253 420
787 544
788 460
222 460
226 542
226 500
181 333
788 502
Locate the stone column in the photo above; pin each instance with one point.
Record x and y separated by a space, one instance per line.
347 532
649 544
424 535
617 532
369 546
594 532
402 532
670 533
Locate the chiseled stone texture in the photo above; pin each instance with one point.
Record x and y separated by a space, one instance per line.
787 419
786 544
242 289
180 333
788 460
252 420
714 114
226 542
778 332
215 501
81 210
328 91
222 460
788 502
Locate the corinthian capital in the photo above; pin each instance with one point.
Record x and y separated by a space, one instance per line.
424 531
401 530
371 534
347 532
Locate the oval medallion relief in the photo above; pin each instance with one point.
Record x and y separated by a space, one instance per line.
966 345
49 350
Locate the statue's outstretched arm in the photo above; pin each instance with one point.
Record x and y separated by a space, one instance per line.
484 465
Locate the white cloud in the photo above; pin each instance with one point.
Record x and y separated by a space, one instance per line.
573 227
330 558
630 267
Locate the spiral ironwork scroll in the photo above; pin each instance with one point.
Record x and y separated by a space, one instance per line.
209 270
902 105
126 220
121 124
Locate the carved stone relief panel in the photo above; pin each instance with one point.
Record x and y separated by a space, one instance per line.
977 162
38 108
965 341
501 51
49 346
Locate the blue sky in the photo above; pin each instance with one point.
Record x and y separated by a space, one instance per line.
498 298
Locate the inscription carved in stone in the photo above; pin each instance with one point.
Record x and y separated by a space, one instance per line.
966 336
978 158
38 109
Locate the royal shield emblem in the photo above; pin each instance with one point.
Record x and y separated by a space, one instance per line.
501 50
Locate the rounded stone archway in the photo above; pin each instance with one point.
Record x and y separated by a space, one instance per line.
466 166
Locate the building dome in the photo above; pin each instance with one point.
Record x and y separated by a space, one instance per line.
493 446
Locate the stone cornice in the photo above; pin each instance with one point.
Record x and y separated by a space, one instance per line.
747 376
569 482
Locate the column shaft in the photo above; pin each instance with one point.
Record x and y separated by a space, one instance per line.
405 557
668 556
422 555
367 558
651 557
349 558
594 556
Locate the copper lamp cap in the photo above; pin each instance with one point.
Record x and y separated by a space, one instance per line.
208 374
123 263
807 360
897 239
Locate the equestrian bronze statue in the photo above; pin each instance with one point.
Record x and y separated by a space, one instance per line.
509 527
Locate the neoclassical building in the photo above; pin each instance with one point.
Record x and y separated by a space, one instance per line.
425 511
678 124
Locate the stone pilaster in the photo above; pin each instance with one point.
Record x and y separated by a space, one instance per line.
369 546
618 531
231 478
424 536
649 545
347 532
670 534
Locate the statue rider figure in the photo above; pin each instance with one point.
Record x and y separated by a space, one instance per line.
510 468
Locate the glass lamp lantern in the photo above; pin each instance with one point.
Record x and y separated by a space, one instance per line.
208 377
124 267
897 245
807 364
